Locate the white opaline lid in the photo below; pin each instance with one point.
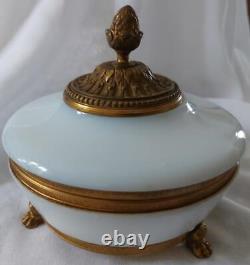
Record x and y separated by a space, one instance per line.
194 142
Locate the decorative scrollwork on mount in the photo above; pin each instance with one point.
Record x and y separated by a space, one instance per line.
121 87
109 86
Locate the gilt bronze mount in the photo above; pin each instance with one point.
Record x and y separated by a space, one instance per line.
32 218
123 87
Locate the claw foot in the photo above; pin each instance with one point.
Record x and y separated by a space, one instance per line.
32 218
197 242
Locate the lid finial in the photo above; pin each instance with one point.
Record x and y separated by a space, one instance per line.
124 34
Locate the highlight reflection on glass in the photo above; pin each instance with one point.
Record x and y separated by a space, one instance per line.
190 108
33 163
240 134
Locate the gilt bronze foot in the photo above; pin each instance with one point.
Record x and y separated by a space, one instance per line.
32 218
197 242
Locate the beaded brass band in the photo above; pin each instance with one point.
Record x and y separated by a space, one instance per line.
120 202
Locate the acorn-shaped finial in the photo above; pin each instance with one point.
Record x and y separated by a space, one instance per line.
124 34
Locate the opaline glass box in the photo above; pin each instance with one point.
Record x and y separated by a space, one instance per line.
123 149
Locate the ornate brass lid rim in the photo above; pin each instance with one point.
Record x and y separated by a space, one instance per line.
120 202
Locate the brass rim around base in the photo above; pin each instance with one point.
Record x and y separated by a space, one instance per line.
149 249
195 240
